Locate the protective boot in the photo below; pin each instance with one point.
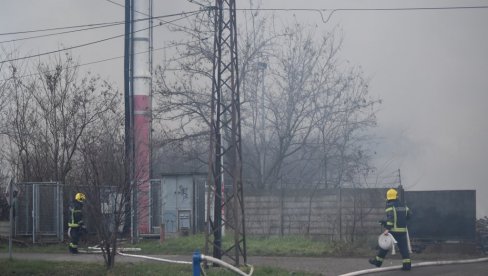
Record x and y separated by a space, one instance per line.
73 249
407 265
376 261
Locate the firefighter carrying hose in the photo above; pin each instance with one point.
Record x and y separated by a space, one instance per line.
75 223
396 223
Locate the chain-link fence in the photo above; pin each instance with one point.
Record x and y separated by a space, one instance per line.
39 211
107 198
41 208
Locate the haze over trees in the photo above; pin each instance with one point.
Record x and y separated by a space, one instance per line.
305 114
304 111
62 125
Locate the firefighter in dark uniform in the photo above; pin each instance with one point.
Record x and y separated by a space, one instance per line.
396 223
76 224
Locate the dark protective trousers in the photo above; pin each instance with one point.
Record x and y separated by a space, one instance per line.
74 233
401 238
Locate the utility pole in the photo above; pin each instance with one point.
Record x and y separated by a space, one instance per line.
225 140
129 110
11 216
137 92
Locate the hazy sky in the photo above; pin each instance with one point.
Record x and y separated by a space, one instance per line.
430 68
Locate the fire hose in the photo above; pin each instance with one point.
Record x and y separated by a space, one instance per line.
197 258
373 270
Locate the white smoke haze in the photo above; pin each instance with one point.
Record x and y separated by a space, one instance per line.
428 66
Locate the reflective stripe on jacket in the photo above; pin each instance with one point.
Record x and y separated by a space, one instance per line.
76 216
396 216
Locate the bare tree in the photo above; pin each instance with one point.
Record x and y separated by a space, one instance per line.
5 84
316 108
103 177
52 108
19 119
183 85
67 128
310 107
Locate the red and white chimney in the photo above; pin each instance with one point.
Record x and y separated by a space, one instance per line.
141 99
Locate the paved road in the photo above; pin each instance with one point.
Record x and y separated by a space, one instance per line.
338 266
475 269
318 266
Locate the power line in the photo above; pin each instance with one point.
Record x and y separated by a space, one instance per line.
59 33
104 60
113 2
62 28
163 21
319 10
96 26
332 11
107 24
365 9
69 48
198 3
187 14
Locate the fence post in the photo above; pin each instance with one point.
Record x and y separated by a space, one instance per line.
11 218
197 258
161 233
34 213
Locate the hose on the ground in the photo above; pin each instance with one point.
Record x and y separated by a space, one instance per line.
154 258
372 270
203 257
226 265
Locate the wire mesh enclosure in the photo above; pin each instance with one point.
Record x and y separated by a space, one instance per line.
39 211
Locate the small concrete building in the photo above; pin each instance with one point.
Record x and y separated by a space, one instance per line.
178 203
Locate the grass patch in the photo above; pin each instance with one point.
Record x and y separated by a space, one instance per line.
172 246
47 268
286 246
39 248
261 246
302 247
29 267
256 246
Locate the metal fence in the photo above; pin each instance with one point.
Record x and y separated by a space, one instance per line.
39 211
177 201
442 215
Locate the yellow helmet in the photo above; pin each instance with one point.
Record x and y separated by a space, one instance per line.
80 197
391 194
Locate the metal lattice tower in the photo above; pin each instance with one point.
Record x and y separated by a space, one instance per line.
225 162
